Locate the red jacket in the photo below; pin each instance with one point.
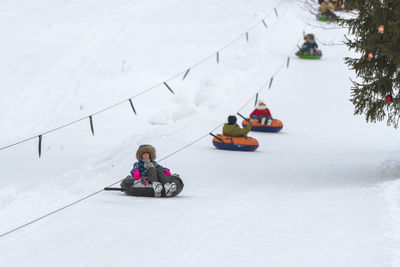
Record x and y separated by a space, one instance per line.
260 112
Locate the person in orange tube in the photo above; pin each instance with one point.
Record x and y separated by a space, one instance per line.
262 113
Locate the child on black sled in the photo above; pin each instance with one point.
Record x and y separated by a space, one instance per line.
309 46
155 173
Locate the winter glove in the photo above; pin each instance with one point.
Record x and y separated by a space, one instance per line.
254 117
136 174
167 172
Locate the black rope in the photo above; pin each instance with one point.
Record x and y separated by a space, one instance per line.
91 124
255 102
190 144
169 88
40 145
264 23
140 93
133 108
55 211
101 190
213 135
186 73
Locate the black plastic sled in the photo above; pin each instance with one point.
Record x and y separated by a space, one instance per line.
141 188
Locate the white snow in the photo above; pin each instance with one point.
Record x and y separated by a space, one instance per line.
322 192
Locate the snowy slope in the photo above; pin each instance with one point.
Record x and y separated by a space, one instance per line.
323 192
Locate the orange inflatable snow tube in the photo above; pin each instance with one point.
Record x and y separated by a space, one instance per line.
235 143
276 126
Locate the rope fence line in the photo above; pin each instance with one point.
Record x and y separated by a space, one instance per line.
265 85
53 212
181 73
285 62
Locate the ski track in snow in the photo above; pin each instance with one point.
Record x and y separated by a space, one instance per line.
323 192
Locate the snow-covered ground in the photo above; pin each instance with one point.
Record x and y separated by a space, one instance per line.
323 192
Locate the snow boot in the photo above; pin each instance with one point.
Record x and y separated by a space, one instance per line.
170 188
269 122
157 187
263 120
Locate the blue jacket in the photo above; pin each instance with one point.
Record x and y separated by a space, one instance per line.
309 45
143 170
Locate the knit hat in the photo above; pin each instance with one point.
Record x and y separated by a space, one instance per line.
261 105
309 36
232 119
146 148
